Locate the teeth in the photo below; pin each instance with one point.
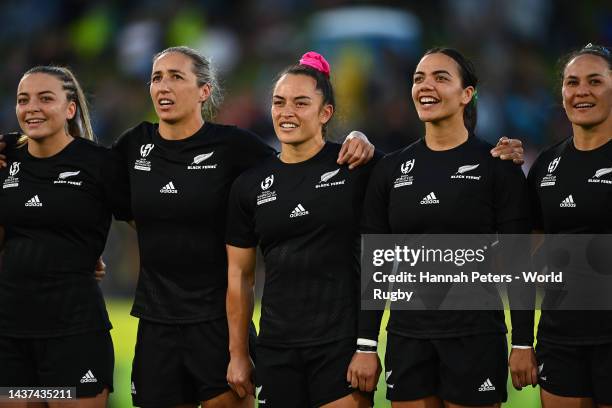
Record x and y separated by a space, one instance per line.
428 100
35 121
288 125
165 102
584 105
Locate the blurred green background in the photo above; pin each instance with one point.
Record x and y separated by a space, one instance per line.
124 338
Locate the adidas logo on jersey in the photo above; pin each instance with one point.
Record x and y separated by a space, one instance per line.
600 173
34 202
88 378
298 211
568 202
199 159
168 189
487 386
430 199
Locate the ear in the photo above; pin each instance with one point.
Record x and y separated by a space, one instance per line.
467 95
71 110
327 111
205 91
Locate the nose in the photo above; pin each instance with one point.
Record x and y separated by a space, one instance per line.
287 111
583 89
32 106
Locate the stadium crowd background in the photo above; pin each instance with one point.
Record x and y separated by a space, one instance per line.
373 48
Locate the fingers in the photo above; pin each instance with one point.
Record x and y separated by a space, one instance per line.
355 152
534 376
100 270
349 147
2 157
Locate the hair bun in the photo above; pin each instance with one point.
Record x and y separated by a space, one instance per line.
316 61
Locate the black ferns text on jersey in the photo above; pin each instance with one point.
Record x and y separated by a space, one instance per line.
56 212
571 193
305 217
458 191
179 199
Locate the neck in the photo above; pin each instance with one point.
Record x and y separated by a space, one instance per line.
299 152
593 137
180 130
48 146
446 134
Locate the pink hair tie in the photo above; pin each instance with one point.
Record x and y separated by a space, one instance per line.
316 61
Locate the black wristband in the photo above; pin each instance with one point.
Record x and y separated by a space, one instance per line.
367 349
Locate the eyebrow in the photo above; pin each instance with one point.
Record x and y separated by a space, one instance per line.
297 97
588 76
440 71
39 93
172 71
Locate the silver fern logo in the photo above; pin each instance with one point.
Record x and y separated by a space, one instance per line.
465 169
67 174
460 174
201 158
325 177
61 178
597 178
328 175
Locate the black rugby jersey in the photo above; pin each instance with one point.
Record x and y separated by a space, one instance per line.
56 212
459 191
571 193
305 217
179 199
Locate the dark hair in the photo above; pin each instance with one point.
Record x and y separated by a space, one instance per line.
205 74
80 124
588 49
323 84
468 78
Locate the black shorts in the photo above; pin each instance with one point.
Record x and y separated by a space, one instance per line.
576 371
303 376
181 363
470 370
84 361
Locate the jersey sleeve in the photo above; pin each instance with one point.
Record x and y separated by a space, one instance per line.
116 181
374 218
512 217
537 221
240 217
249 150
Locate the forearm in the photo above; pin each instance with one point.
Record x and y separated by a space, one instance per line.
239 305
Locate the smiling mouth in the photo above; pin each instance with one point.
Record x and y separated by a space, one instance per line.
288 125
165 102
584 105
34 121
428 100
